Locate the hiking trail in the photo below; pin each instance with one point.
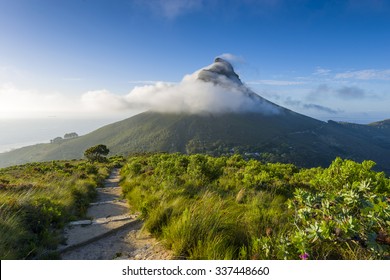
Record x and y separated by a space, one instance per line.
111 232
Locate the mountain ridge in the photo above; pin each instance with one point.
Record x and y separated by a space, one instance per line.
316 144
262 129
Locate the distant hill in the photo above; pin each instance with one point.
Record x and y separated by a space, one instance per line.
278 134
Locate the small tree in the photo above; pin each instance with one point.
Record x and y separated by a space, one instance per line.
71 135
56 140
97 153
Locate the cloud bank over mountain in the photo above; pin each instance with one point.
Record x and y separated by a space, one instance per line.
212 89
215 88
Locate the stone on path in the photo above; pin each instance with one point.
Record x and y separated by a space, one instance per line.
108 214
111 232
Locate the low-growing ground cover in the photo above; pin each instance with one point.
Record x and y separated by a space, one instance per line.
205 207
38 199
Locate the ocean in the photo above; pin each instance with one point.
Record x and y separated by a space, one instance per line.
20 133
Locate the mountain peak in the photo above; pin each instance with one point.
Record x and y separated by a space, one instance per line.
219 72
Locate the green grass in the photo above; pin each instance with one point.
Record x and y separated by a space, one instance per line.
38 199
204 207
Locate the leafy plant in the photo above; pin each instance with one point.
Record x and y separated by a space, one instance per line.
97 153
353 219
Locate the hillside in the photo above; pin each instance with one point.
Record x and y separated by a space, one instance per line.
152 131
254 127
300 140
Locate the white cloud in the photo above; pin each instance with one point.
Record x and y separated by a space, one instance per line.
19 103
275 83
192 96
102 100
368 74
321 71
195 96
232 58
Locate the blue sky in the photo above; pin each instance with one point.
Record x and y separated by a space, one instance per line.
325 59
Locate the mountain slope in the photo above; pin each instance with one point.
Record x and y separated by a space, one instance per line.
151 131
255 128
299 139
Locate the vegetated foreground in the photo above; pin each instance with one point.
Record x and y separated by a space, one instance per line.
38 199
204 207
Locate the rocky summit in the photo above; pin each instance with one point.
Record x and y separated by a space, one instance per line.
219 71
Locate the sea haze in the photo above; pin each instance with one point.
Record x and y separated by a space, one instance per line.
20 133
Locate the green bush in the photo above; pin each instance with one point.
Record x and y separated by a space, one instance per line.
206 207
345 222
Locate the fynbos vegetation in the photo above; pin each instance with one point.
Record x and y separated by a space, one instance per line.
37 199
206 207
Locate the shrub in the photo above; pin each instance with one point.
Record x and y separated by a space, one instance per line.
351 219
226 207
97 153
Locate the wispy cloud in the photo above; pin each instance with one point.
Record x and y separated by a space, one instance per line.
321 91
148 82
103 100
324 91
172 9
368 74
275 83
322 71
310 106
292 102
351 93
17 102
232 58
320 108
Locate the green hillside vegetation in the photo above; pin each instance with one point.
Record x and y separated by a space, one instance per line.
38 199
287 137
157 132
205 207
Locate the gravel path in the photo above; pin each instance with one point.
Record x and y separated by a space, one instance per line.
111 232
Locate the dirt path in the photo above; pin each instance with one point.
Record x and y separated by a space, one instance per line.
111 232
